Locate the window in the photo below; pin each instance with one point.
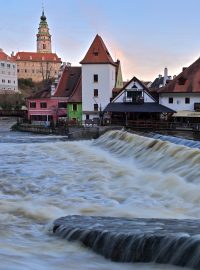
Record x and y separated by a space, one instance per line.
187 100
95 78
25 70
74 107
18 70
95 92
96 52
87 117
43 105
3 81
181 81
62 105
2 64
8 65
171 100
44 46
9 81
96 107
32 104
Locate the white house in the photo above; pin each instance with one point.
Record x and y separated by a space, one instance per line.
8 74
182 94
134 102
98 79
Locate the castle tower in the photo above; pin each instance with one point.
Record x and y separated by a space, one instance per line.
43 36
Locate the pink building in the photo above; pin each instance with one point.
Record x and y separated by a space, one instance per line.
51 104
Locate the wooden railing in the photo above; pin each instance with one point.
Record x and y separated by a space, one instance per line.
157 125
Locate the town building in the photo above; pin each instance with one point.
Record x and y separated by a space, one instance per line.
51 105
100 75
182 94
42 65
134 103
8 74
161 80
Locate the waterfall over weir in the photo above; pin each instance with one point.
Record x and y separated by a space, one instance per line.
165 241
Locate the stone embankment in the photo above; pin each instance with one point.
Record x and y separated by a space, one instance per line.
73 133
165 241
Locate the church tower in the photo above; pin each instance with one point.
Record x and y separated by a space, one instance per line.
43 36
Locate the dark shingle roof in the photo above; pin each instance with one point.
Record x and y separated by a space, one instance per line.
45 93
157 82
68 81
129 107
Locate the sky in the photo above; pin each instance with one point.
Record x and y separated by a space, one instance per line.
146 35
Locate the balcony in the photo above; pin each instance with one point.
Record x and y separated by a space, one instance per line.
133 100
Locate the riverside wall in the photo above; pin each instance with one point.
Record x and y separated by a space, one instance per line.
72 133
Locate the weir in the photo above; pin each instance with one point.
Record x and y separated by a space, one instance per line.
164 241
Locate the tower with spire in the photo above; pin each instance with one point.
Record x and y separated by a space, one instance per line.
43 36
42 65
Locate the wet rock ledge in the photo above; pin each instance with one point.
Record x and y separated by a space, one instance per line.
166 241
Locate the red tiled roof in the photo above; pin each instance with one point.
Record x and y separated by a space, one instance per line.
76 96
188 81
68 81
98 53
34 56
4 57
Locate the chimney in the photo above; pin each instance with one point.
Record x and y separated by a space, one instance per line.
12 54
174 76
159 76
165 76
184 68
1 50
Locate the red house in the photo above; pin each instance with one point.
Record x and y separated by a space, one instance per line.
51 104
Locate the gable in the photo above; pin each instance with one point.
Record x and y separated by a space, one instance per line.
134 86
98 53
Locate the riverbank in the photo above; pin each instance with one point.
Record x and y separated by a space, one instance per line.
72 133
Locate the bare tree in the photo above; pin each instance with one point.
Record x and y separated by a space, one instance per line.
46 69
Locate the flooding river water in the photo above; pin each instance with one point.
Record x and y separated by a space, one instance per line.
120 174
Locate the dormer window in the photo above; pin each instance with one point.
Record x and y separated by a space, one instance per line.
96 52
181 81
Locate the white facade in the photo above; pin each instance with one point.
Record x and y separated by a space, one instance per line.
96 95
8 76
134 86
179 101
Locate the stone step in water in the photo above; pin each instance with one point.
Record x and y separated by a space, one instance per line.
166 241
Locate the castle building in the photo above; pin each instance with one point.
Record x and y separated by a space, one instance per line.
43 64
8 74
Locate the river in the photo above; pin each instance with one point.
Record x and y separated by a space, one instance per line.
120 174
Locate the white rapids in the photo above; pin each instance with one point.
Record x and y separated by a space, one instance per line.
119 175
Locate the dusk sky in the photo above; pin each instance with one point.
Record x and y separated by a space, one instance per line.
146 35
